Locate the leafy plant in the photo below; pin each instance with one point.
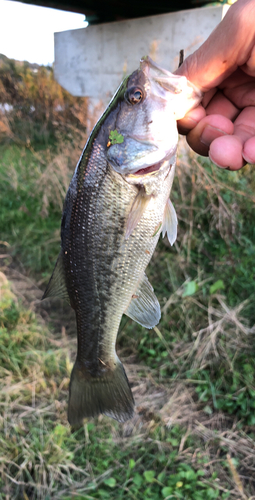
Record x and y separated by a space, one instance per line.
192 376
37 107
115 137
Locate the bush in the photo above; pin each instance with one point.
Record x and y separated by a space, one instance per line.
37 108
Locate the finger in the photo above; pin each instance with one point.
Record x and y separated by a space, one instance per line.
229 46
243 95
249 150
220 105
208 97
226 152
244 126
236 79
206 131
233 152
190 120
249 66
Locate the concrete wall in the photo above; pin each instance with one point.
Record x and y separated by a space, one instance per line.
93 61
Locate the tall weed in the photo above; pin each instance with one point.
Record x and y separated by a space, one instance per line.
39 111
192 376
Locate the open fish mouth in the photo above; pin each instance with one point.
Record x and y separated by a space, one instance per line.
149 170
134 157
153 169
139 157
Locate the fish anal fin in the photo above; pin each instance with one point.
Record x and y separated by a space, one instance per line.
137 210
108 393
144 307
57 286
170 222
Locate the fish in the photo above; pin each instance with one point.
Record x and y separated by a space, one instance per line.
116 206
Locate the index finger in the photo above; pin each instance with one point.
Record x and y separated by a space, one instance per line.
190 120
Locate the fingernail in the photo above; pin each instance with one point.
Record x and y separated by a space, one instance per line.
192 121
247 159
209 134
217 164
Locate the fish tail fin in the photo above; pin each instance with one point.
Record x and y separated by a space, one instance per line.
108 392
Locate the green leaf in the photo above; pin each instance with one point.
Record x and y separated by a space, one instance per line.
60 430
190 475
104 494
166 491
111 482
207 409
201 472
218 285
149 475
161 476
137 479
91 426
174 441
115 137
251 419
211 493
131 463
152 352
190 288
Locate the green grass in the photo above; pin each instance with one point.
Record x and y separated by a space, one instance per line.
31 191
192 376
41 458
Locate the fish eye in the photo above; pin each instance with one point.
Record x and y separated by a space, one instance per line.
134 95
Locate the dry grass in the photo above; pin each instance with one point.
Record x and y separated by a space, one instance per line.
40 452
201 333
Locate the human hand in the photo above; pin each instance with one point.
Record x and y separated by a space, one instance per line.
223 126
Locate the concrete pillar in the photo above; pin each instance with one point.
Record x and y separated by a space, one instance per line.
93 61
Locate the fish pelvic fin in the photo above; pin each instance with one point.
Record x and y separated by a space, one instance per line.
170 223
108 393
57 286
139 206
144 307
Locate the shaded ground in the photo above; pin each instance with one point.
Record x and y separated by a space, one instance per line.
161 405
193 376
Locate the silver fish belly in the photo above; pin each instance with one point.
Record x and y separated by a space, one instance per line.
115 208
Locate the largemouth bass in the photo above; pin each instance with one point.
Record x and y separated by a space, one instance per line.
116 206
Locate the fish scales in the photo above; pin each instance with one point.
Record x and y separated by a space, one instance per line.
112 264
116 205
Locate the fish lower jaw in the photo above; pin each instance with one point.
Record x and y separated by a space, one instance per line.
148 172
152 169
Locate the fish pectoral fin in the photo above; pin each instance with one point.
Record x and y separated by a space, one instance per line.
144 307
138 208
108 392
170 222
57 286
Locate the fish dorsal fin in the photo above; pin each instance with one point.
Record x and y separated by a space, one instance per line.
144 307
57 285
169 225
138 208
